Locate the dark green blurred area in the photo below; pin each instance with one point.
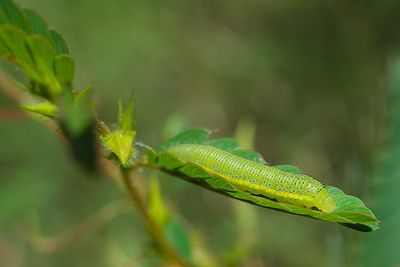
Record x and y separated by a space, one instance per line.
314 77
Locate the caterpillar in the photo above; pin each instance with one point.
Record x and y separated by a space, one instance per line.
256 178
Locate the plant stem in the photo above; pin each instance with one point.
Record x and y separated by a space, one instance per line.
154 229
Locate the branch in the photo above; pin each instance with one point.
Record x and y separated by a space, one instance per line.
13 92
12 114
154 229
52 244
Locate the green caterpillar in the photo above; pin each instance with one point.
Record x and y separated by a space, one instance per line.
257 178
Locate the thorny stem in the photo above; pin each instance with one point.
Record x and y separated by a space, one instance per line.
154 229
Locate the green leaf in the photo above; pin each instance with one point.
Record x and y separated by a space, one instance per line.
39 26
156 207
192 136
11 14
14 47
350 211
26 40
120 141
250 155
42 54
46 108
164 160
59 43
225 143
289 168
125 117
179 239
4 51
220 184
193 171
176 234
76 115
82 94
77 122
64 69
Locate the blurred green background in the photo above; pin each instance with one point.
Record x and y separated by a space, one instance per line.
317 79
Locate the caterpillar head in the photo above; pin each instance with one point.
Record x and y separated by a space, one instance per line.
324 202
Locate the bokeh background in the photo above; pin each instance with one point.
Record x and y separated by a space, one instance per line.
317 80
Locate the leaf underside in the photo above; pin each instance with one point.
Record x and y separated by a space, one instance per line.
350 211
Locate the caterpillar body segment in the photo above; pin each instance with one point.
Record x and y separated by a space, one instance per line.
254 177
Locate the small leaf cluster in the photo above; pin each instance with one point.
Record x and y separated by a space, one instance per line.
171 227
26 40
120 141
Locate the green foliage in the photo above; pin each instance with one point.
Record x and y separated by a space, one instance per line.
77 115
44 108
250 155
350 211
224 143
120 141
11 14
64 69
174 231
39 26
193 136
26 40
77 123
179 239
156 207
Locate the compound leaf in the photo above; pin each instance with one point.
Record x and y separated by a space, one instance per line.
64 69
11 14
